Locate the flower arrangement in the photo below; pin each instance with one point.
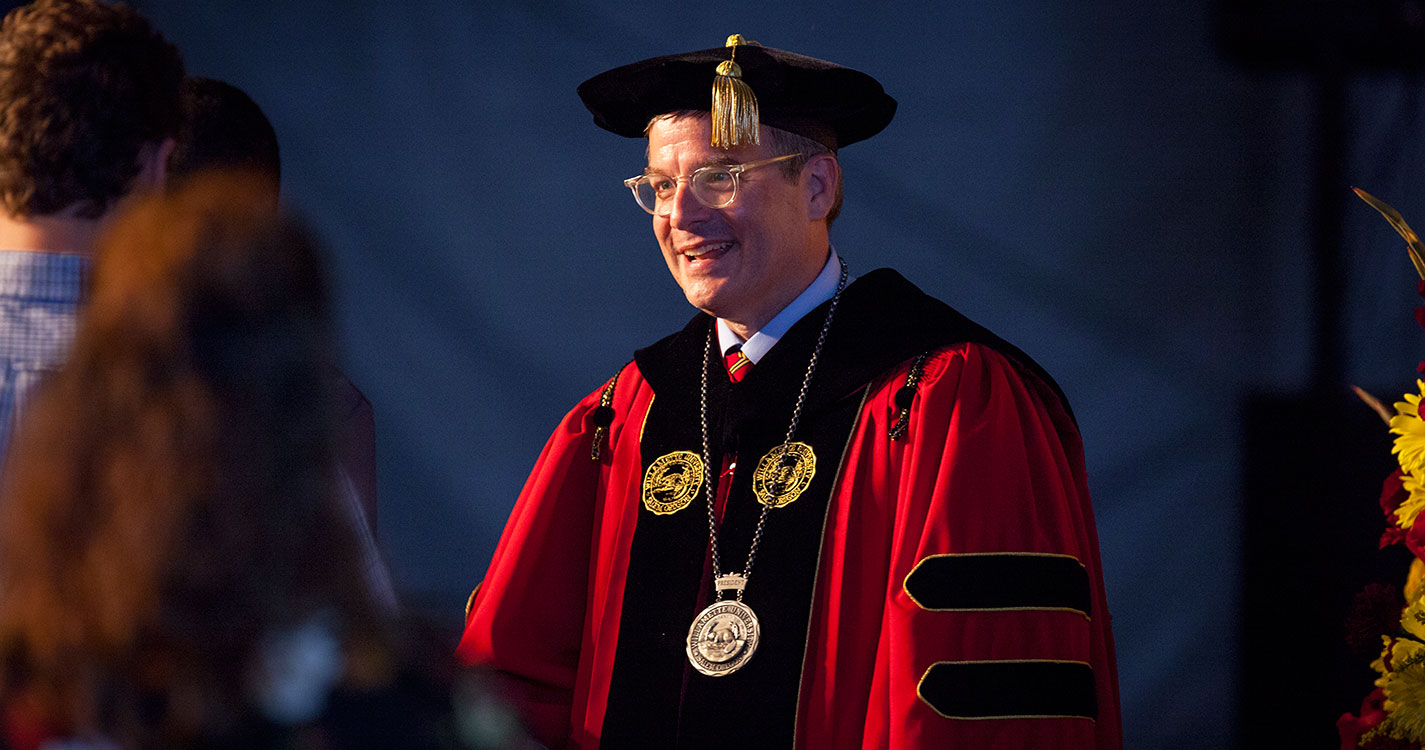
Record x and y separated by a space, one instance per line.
1392 717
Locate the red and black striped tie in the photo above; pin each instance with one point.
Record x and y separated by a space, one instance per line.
738 365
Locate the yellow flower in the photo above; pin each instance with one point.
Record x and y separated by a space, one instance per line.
1415 580
1411 506
1412 620
1405 690
1410 432
1379 664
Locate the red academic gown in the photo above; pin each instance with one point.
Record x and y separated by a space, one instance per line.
953 577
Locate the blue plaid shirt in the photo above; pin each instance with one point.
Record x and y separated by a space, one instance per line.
40 295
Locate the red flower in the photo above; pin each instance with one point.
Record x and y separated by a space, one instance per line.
1392 494
1351 727
1374 612
1415 540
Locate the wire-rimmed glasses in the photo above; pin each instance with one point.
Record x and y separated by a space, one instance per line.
715 186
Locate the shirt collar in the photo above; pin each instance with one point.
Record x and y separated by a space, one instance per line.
822 288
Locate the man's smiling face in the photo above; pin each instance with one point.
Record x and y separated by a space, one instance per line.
744 262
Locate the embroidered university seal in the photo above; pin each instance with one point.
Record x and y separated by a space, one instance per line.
782 476
672 481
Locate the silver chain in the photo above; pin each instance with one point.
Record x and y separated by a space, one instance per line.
708 484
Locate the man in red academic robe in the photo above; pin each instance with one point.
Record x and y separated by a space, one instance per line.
831 512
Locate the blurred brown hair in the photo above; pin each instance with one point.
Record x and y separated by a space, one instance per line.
170 499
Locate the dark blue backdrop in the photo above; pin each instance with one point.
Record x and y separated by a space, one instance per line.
1094 181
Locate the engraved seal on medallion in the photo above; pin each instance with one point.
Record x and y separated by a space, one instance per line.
672 481
723 637
782 477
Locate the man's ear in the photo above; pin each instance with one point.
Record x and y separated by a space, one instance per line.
820 177
153 166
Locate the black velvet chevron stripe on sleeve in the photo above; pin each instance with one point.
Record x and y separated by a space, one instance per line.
1000 581
1010 689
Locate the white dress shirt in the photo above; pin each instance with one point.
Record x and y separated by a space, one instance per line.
822 288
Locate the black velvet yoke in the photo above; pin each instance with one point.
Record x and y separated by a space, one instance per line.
656 698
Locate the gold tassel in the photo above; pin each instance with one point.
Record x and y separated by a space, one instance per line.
734 106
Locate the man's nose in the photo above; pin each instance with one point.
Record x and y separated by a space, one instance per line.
684 208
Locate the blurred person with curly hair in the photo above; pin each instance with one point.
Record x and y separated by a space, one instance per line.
175 570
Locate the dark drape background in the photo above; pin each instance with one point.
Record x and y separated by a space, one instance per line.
1101 183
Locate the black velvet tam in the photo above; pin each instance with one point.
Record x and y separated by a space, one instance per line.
821 100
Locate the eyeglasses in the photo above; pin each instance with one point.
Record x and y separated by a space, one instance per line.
714 186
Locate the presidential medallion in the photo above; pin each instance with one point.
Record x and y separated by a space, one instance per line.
723 637
783 475
672 481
